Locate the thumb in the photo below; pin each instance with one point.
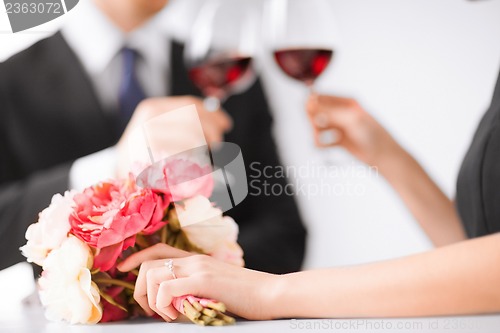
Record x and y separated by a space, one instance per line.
226 121
171 289
312 104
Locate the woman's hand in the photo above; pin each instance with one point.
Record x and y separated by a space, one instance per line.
367 140
245 292
354 129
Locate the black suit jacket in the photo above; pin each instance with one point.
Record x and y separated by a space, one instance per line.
50 116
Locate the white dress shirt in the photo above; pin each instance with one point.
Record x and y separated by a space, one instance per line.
97 43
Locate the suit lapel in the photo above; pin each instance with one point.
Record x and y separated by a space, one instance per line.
77 94
179 78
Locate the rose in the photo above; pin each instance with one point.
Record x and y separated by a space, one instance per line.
213 233
109 215
51 229
66 288
178 179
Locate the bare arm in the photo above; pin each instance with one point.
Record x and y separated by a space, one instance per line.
434 211
463 278
367 140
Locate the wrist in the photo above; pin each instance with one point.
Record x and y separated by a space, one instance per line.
278 299
392 157
273 292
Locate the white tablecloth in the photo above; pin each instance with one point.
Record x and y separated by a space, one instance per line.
31 320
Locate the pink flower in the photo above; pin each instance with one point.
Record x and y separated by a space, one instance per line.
109 215
178 179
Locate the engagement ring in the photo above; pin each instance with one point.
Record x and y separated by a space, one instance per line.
170 265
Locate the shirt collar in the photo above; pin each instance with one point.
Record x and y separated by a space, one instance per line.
88 27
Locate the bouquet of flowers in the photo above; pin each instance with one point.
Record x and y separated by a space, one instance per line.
81 237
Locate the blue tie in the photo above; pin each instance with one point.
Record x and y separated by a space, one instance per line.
131 92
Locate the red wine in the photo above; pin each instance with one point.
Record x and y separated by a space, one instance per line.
218 77
303 64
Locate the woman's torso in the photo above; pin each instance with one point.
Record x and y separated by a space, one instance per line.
478 185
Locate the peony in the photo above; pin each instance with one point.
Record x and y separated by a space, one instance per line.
109 215
51 229
66 287
178 179
213 233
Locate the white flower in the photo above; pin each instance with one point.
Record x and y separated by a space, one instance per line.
66 288
206 228
229 251
51 230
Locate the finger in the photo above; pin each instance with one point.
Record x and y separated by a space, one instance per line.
158 251
214 135
149 275
312 104
224 119
155 277
320 120
164 302
140 291
339 118
176 288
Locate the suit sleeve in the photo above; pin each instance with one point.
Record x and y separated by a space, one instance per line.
272 235
271 231
22 195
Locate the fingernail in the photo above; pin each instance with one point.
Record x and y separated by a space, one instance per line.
321 120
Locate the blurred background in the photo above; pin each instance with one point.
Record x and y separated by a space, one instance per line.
425 69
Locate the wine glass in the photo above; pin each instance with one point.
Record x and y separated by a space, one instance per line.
220 49
302 37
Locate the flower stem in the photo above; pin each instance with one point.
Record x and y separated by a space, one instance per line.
163 235
116 283
111 301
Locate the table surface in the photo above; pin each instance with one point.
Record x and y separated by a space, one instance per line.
21 319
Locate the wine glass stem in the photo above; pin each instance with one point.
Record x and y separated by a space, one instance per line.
211 103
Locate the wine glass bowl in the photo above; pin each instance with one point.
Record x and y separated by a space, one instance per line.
301 37
217 78
303 64
220 50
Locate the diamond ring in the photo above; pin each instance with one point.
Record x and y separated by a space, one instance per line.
170 265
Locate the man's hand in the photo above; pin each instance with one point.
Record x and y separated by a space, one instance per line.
168 134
